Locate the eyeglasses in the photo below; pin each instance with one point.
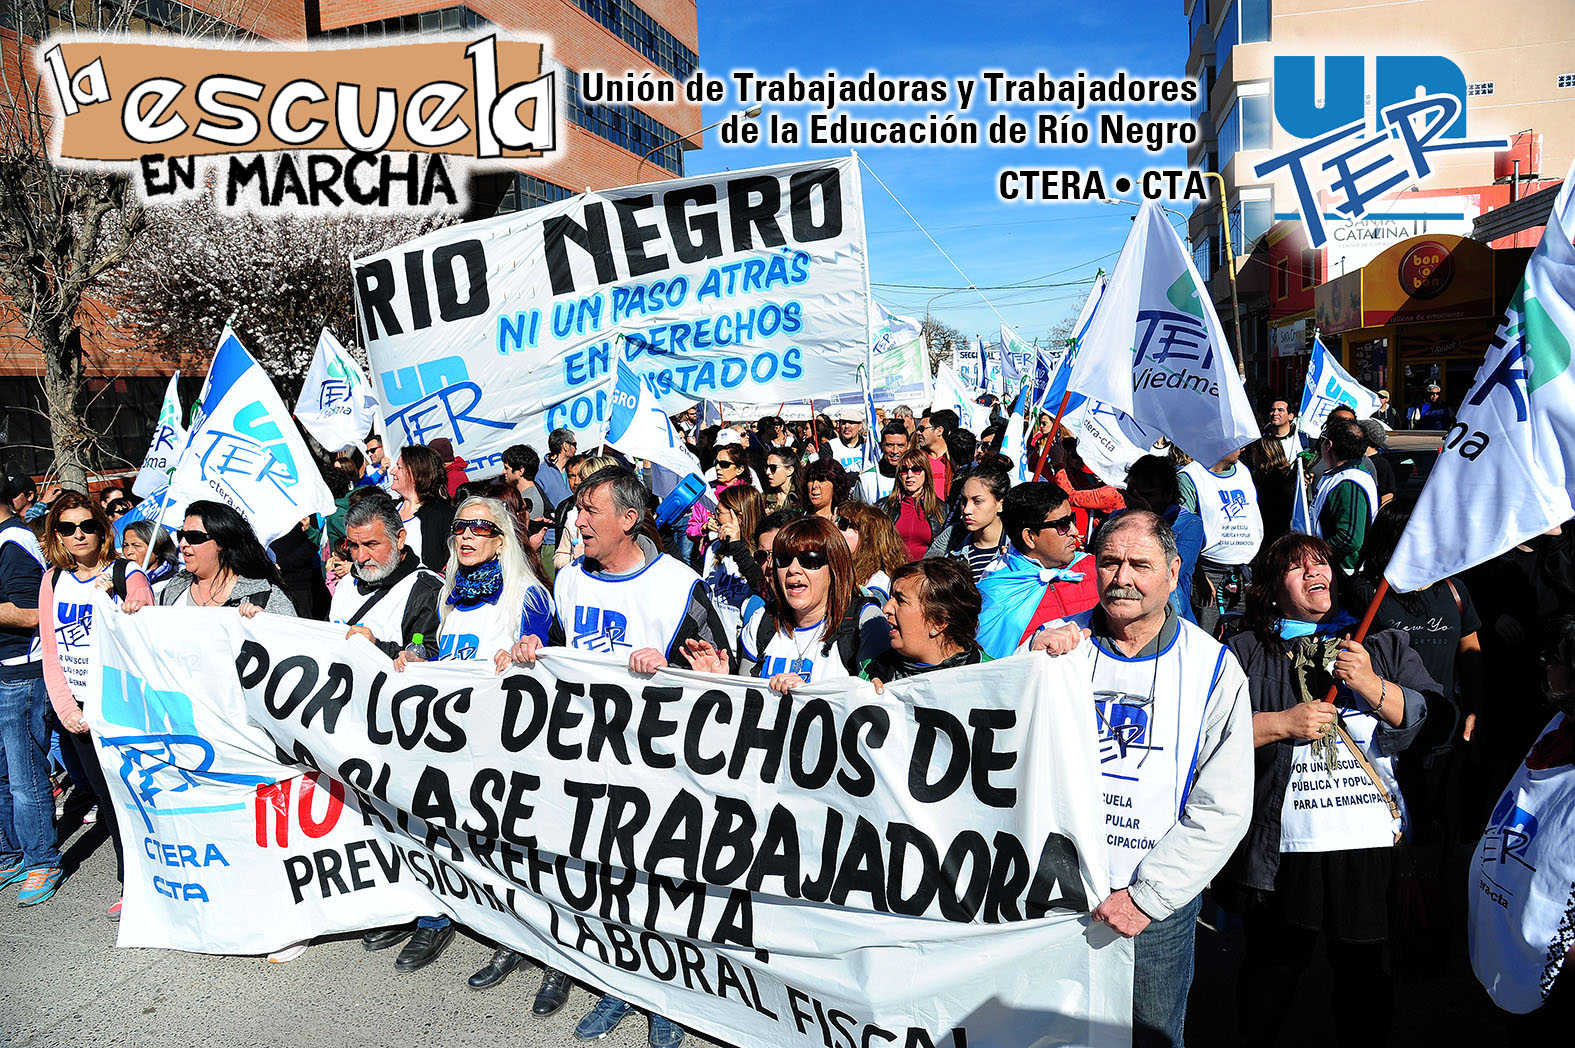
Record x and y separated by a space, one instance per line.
1059 524
87 527
193 538
727 464
483 527
808 559
912 469
762 557
118 507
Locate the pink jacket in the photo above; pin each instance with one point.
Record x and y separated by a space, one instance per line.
60 695
701 513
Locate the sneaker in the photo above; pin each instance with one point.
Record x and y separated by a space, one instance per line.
288 954
602 1019
664 1033
39 886
114 911
90 816
10 875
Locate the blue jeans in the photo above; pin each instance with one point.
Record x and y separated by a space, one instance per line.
1162 977
27 806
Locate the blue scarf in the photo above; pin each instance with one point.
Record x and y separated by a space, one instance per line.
1011 596
482 584
1292 629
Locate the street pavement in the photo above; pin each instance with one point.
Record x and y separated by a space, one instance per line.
66 985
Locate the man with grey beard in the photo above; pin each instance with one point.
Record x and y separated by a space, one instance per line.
388 598
1176 758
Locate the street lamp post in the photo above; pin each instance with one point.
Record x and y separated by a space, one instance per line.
1230 272
749 114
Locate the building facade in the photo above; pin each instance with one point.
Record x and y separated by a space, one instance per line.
600 146
1519 74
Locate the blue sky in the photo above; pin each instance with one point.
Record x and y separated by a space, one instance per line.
952 191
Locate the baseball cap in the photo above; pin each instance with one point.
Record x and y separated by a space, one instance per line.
851 413
1373 430
726 436
1383 392
16 484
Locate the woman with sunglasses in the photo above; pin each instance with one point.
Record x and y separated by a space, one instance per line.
166 560
1321 867
732 470
226 567
491 594
732 577
420 479
784 485
877 549
978 536
912 504
824 627
826 485
79 547
931 616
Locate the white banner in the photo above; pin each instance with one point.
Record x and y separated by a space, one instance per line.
169 436
1155 350
744 286
911 868
336 405
1507 468
951 394
1330 386
244 450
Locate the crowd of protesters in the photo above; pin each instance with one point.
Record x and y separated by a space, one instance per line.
1181 589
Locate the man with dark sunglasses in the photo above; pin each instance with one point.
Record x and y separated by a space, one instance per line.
1045 577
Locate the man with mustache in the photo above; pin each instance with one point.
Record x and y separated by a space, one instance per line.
1176 764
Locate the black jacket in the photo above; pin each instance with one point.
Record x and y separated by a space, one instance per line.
1257 858
436 519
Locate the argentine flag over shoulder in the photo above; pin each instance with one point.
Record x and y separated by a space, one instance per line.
1155 350
337 405
1329 386
244 451
169 436
1507 468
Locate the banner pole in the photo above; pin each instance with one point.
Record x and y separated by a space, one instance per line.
1053 435
1362 628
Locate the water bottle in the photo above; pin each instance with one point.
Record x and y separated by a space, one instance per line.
416 651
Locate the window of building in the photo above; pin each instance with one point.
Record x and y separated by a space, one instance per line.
442 20
1247 22
1282 279
631 24
1250 122
1481 87
1567 79
1203 254
1309 269
1198 21
503 192
624 126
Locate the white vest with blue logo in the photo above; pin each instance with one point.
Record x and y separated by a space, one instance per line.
801 651
1232 525
619 615
22 537
1150 713
1350 475
76 610
1522 885
478 632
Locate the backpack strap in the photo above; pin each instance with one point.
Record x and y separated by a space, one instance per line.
763 632
1460 608
846 638
117 576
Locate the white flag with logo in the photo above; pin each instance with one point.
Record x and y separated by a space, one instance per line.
1155 348
1108 439
337 405
1301 513
638 427
245 451
169 436
1507 468
951 393
1330 386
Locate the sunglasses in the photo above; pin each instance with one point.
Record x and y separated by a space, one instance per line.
762 557
193 538
775 467
727 464
808 559
844 524
87 527
1059 524
485 528
910 470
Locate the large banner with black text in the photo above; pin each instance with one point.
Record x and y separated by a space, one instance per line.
836 866
746 286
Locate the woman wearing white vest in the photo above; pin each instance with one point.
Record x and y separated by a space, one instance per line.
80 550
1522 882
1327 810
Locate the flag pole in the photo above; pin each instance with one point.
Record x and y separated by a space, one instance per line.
1361 630
1053 435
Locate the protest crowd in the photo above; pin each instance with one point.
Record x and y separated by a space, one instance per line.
1187 589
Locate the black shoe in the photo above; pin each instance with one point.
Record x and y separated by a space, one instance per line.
423 948
383 938
554 992
504 960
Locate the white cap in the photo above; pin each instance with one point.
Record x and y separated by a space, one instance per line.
726 436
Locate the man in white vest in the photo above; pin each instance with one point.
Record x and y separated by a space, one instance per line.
389 599
626 598
1175 727
878 482
1345 503
847 447
1227 501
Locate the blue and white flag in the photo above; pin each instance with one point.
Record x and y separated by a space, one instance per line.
1301 513
1018 361
1330 386
1507 469
337 405
638 427
1014 441
951 393
1155 349
245 451
169 436
1108 439
1062 358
